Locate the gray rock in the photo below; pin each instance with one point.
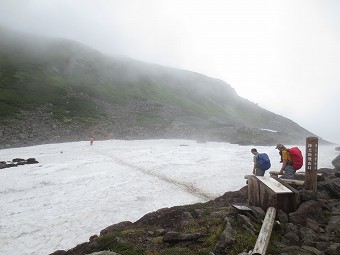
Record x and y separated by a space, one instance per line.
115 227
312 224
306 195
313 250
308 236
294 250
332 186
310 209
291 236
290 239
328 247
227 238
246 222
336 162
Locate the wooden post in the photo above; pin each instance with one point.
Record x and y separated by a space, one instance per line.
265 232
311 164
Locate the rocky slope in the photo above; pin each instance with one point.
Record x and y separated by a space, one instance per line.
218 228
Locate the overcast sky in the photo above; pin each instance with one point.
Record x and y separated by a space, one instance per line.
282 54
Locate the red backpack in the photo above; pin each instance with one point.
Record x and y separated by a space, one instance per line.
297 158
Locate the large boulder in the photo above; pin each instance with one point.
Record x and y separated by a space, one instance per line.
228 237
332 187
176 218
336 162
115 227
310 209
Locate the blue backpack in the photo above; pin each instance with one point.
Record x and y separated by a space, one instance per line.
263 161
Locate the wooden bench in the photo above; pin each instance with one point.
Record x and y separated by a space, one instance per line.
299 178
297 182
268 192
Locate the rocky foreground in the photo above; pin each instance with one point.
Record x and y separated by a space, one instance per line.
218 228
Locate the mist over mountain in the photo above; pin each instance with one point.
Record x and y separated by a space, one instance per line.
57 90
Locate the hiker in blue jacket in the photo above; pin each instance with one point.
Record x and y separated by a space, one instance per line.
256 170
261 162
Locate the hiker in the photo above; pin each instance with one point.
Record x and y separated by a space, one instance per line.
287 171
91 139
261 162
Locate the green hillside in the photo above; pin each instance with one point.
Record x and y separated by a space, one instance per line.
74 83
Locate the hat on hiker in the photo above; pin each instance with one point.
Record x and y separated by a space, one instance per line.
279 145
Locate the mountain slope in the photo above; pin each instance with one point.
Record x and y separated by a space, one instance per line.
55 90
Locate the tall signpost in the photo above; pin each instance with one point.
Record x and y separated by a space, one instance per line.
311 164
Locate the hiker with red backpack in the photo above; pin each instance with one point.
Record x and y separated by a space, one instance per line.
291 160
261 162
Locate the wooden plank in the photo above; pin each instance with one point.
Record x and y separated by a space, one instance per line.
253 191
285 184
267 196
274 185
297 173
288 203
304 173
274 173
247 176
292 181
242 207
265 232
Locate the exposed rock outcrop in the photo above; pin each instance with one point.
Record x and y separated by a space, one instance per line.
17 162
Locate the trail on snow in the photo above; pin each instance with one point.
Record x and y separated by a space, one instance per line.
187 187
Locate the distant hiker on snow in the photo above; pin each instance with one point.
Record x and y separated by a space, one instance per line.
261 162
91 139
